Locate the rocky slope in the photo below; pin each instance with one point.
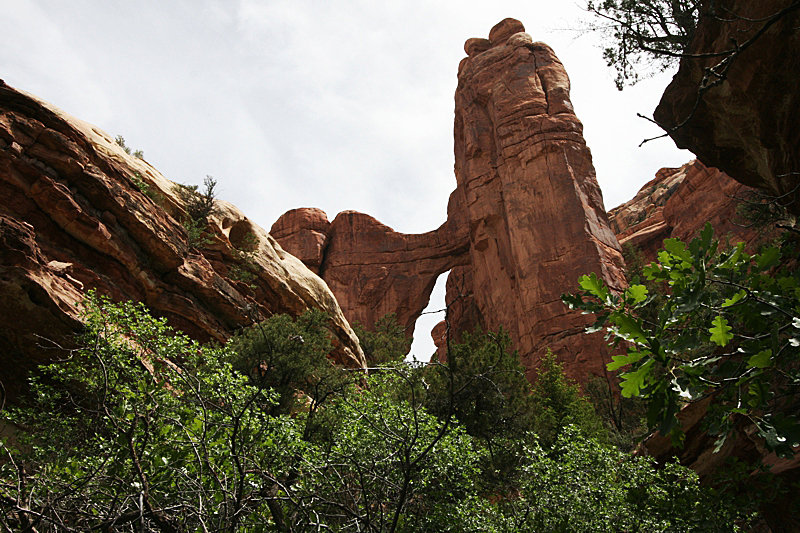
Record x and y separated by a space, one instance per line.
75 217
525 221
745 126
677 203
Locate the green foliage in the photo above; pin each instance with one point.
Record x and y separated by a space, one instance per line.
397 467
145 189
648 34
386 344
142 429
289 357
199 205
491 396
494 401
120 140
623 418
729 327
556 402
245 256
580 485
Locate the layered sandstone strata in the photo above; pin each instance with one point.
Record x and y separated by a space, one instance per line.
75 217
536 214
678 203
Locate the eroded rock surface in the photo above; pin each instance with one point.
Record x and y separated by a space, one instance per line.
746 126
304 231
75 217
525 221
374 270
677 203
536 214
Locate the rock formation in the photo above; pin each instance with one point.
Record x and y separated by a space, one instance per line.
75 217
525 221
747 125
372 269
536 215
304 231
677 203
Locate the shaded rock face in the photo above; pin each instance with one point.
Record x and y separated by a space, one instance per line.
74 218
524 223
747 126
677 203
372 269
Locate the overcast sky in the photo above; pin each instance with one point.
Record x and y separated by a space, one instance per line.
336 104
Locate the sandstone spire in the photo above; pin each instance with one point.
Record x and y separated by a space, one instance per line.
525 221
535 212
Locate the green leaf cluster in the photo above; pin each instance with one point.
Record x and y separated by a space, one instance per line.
386 343
643 37
727 328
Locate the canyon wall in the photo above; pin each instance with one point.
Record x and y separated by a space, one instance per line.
79 213
746 125
678 202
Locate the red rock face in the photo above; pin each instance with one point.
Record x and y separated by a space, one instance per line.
677 203
372 269
73 218
747 126
524 223
536 214
304 231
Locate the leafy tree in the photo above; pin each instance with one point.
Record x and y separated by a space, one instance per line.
490 397
655 34
556 403
199 205
386 344
288 357
143 430
728 330
648 33
580 485
392 466
497 405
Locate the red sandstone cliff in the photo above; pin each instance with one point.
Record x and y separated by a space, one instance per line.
525 221
747 125
74 218
677 203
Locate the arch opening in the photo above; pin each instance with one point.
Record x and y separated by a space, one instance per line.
423 348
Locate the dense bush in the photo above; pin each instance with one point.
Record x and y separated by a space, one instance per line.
727 329
142 429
